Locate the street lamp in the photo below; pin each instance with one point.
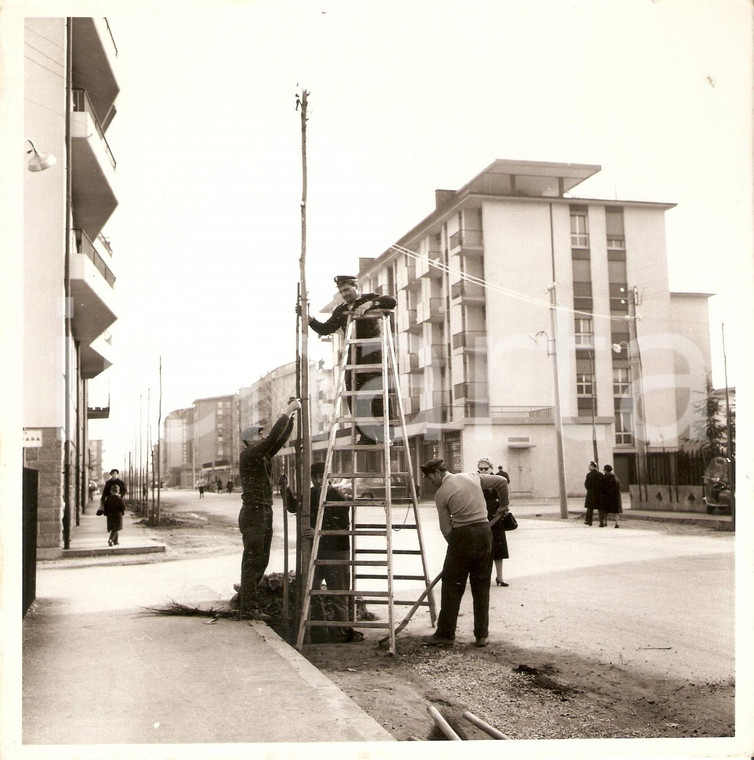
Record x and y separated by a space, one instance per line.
39 161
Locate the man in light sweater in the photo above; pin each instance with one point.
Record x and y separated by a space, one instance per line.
462 511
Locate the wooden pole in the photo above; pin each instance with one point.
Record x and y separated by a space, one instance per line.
159 447
302 103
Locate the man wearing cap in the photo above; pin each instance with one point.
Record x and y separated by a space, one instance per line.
337 577
255 517
462 511
357 304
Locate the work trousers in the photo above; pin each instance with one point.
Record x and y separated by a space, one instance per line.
337 578
469 556
255 524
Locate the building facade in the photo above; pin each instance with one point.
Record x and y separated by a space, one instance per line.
216 438
527 315
178 460
69 273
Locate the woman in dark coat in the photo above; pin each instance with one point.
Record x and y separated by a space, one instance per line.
499 541
114 511
611 499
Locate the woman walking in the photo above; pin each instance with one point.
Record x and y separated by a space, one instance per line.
114 510
611 500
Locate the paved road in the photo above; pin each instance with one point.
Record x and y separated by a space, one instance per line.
658 600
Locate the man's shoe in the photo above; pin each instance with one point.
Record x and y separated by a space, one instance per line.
437 641
481 641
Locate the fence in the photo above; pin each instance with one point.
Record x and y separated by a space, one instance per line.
672 468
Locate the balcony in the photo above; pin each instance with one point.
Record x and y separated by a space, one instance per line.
96 357
406 319
406 275
471 292
93 300
424 267
522 414
430 310
94 63
467 242
471 391
471 340
92 168
433 355
411 363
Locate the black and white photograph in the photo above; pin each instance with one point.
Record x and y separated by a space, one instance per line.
372 373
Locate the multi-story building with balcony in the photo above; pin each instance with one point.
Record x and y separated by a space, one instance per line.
511 283
69 270
216 438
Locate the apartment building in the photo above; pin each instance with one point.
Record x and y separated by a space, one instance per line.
527 315
216 438
69 272
178 461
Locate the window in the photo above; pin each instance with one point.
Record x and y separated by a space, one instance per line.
621 381
584 384
579 228
614 228
583 331
623 427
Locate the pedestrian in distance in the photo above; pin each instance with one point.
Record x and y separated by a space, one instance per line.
114 509
494 505
611 498
229 486
462 513
255 516
337 577
201 486
593 485
218 485
113 480
356 304
503 474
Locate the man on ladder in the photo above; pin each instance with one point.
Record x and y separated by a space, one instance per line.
355 305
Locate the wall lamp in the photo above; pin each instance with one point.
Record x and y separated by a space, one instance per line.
39 161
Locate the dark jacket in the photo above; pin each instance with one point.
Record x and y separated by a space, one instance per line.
335 518
108 487
255 463
611 500
593 485
365 328
114 511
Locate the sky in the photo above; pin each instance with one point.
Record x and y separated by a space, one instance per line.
404 98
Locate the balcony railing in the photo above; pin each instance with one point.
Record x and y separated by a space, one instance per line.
521 412
466 239
471 390
424 266
82 104
472 340
467 290
86 247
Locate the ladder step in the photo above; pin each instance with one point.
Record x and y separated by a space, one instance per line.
384 551
369 502
399 601
367 420
360 576
347 592
365 446
375 393
364 341
363 474
340 623
364 367
377 526
350 562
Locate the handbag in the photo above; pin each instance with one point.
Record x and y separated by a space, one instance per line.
509 521
100 511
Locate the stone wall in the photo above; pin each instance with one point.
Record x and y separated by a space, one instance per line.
48 461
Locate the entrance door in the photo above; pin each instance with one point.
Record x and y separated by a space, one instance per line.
519 469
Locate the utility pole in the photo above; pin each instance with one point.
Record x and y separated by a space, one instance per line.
558 418
302 103
729 438
159 447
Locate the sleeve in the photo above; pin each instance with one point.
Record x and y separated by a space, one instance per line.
123 489
283 436
499 484
384 302
332 325
291 500
270 445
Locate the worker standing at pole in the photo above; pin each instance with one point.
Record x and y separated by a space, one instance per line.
255 517
356 305
462 512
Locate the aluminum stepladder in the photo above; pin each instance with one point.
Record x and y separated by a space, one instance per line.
381 479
